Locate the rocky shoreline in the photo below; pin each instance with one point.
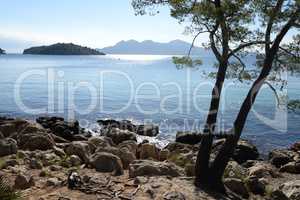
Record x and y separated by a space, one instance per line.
55 159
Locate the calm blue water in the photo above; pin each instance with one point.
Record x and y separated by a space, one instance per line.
141 88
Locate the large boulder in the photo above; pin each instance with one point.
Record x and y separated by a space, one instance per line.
256 185
234 170
237 186
291 167
8 146
149 151
153 168
188 137
262 170
81 149
23 182
280 157
244 150
106 162
147 130
100 142
36 141
291 189
296 147
118 135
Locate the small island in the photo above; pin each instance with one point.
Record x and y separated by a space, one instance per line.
2 51
62 49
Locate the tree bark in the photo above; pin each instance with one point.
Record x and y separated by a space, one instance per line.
202 164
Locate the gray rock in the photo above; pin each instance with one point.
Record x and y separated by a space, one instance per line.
35 164
107 162
118 135
81 149
8 146
53 182
255 185
291 167
36 141
280 157
147 130
75 160
278 195
149 151
237 186
153 168
174 196
23 182
291 189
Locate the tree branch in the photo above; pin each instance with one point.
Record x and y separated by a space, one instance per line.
242 46
194 39
274 90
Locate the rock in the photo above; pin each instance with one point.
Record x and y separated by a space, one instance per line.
255 185
189 169
296 147
23 182
9 163
53 182
107 162
281 157
245 151
188 137
34 142
174 196
75 160
118 136
126 156
35 164
234 170
180 147
59 152
8 146
55 168
149 151
48 159
291 189
147 130
291 167
130 145
237 186
7 129
153 168
261 170
164 154
81 149
278 195
100 142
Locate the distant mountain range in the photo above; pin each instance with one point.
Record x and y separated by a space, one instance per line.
175 47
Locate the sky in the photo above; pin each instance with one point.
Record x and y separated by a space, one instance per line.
93 23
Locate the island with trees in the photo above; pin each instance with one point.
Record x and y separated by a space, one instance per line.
62 49
2 51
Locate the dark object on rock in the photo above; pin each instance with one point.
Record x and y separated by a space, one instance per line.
296 147
278 195
62 49
188 137
147 130
74 180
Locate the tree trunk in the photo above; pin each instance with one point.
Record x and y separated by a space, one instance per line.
218 166
202 164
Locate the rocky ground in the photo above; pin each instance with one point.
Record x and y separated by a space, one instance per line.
55 159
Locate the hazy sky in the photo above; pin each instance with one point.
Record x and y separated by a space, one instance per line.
95 23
